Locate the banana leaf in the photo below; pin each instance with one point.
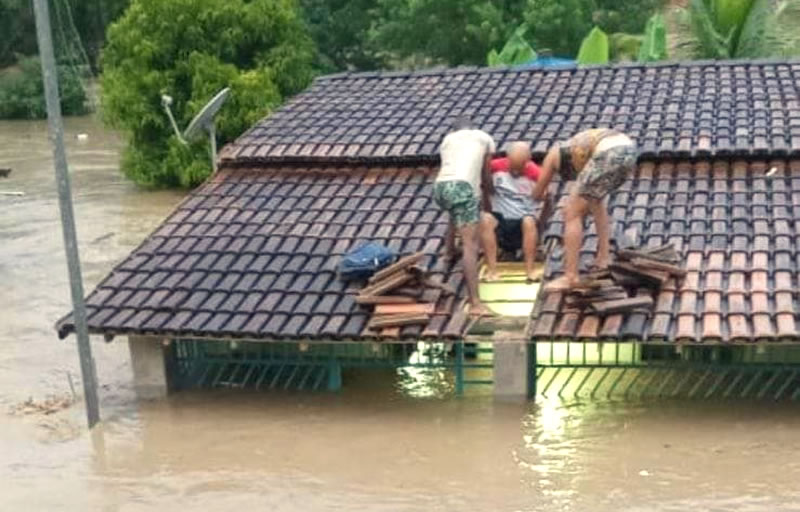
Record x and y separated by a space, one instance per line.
654 45
594 48
516 51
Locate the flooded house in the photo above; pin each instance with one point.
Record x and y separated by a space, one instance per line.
238 286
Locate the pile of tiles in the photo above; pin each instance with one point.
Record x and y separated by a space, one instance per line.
604 292
396 291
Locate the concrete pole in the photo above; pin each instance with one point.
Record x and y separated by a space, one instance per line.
56 135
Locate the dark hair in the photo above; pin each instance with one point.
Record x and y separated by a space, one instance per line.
462 123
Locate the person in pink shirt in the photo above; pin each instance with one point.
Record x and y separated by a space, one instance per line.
512 218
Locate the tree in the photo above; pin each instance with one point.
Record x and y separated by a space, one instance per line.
340 29
17 29
561 25
451 32
728 29
190 49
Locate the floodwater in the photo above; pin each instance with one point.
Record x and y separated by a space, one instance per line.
371 447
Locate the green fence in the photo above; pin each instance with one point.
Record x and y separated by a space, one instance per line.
595 371
293 366
635 371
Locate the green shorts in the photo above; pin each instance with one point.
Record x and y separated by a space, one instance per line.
458 199
606 171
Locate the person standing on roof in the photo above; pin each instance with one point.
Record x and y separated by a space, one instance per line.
465 153
599 160
512 220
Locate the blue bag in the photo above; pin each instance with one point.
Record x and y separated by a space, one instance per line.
364 261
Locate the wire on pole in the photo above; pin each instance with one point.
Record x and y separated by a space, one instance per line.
56 135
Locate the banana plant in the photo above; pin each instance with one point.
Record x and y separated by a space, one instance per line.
727 29
594 48
654 43
516 51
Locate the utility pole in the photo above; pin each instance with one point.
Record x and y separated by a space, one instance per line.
56 134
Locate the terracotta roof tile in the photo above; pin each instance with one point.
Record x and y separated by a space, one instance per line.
741 281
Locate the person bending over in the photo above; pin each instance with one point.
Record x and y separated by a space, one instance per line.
512 221
465 154
599 160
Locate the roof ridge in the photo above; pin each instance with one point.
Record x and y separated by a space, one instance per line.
465 70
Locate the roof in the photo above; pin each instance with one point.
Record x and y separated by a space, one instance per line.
737 229
253 253
695 109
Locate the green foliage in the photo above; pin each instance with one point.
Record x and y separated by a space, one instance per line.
516 51
22 91
190 49
340 29
17 31
451 32
625 15
727 29
594 48
560 25
624 47
654 44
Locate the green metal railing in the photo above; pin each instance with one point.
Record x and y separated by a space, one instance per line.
293 366
595 371
634 371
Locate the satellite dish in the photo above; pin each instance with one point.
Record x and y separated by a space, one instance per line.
204 120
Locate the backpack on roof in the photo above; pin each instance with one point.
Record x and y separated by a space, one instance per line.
364 261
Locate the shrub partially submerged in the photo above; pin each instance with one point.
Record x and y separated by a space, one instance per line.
22 91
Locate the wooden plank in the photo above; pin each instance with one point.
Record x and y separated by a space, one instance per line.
622 305
629 254
384 299
653 277
401 264
396 309
380 321
411 290
446 289
388 284
660 266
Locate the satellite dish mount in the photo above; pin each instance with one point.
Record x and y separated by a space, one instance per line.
204 120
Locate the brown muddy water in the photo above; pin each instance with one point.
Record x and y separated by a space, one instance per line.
371 447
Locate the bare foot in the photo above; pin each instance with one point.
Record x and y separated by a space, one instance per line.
534 275
479 310
600 265
560 284
491 277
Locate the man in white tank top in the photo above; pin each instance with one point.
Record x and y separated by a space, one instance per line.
465 153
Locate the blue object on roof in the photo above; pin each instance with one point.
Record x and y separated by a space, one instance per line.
549 63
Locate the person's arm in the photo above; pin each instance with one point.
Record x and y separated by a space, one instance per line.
486 174
532 171
550 165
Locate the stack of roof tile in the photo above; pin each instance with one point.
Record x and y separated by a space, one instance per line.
402 294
